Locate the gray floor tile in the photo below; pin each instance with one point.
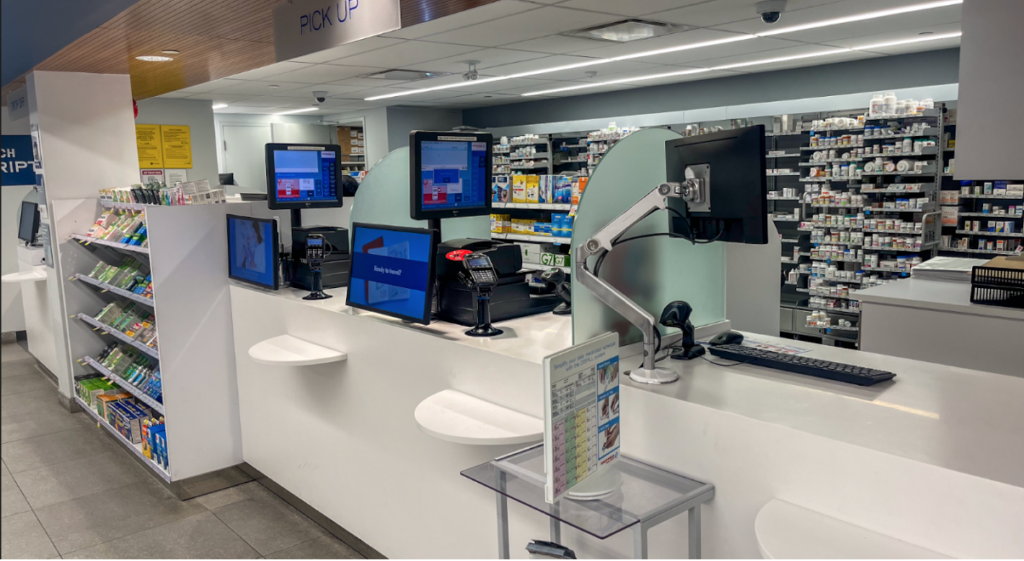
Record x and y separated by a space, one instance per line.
267 525
29 402
5 470
199 537
213 501
32 382
13 352
327 547
12 501
21 537
41 451
18 368
48 418
78 478
108 515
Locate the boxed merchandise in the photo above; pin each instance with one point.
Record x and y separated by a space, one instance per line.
532 189
500 188
531 253
546 189
518 188
103 402
563 189
554 260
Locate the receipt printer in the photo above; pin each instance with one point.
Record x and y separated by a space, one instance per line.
510 297
337 261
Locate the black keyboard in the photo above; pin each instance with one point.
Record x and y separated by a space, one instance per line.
802 365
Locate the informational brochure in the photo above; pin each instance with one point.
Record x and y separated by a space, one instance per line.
581 414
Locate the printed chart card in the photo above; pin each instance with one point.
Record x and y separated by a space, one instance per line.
581 413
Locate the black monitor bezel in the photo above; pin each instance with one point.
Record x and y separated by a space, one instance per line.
272 201
276 241
416 140
35 222
431 272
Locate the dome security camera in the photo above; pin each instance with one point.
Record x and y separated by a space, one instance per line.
771 10
320 97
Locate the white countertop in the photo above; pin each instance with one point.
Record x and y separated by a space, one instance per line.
933 295
959 419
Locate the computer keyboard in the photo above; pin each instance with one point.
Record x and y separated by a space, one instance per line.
803 365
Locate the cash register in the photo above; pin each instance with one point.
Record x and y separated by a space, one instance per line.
308 176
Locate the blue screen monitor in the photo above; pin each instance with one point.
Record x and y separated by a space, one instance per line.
254 253
303 176
393 271
451 174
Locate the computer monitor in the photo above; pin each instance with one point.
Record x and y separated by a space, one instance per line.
303 176
28 226
451 174
254 251
226 178
393 271
732 165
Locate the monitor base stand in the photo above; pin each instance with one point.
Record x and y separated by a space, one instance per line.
563 309
484 331
654 376
689 353
317 296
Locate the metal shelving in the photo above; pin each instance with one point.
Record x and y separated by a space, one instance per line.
86 240
118 335
114 290
135 448
123 384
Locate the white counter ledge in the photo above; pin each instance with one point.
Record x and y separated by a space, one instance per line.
934 295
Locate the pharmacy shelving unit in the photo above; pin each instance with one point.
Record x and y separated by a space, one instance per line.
784 153
569 154
187 257
971 208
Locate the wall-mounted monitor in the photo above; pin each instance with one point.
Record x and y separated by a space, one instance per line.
303 176
393 271
254 251
28 226
451 174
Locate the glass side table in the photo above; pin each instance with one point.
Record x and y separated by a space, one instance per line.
647 497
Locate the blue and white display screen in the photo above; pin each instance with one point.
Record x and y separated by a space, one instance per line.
391 272
454 175
302 176
251 251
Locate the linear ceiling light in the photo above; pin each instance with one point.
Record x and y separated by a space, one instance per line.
220 105
753 63
861 17
154 58
738 37
303 110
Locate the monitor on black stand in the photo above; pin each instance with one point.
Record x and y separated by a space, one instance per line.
450 175
301 176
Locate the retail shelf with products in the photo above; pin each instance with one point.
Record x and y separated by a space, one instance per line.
979 251
770 198
119 336
991 234
533 206
86 240
852 311
769 156
114 290
784 174
990 215
539 267
531 238
964 196
122 383
134 448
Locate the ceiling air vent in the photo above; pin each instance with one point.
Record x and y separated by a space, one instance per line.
407 75
628 30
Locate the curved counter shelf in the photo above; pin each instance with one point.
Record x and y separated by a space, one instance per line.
787 531
286 350
457 417
25 276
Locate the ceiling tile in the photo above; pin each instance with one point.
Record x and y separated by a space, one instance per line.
485 58
776 53
481 14
426 96
610 50
219 98
761 45
556 45
801 63
229 86
172 95
630 8
331 89
347 50
324 73
588 91
920 47
603 70
510 84
207 87
753 24
268 71
684 78
920 20
268 101
896 35
720 12
406 53
537 64
522 27
373 83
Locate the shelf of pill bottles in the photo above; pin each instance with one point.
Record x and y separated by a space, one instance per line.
531 238
136 448
782 156
783 198
783 174
122 383
924 188
855 312
533 206
991 234
836 260
980 251
886 269
828 179
990 215
924 114
875 210
537 156
927 131
785 219
122 246
812 292
114 290
118 335
963 196
821 163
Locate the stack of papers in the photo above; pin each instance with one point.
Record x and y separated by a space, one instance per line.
948 269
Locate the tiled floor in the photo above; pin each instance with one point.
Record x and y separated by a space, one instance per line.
70 490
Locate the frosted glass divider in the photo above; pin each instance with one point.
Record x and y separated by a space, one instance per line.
383 198
651 271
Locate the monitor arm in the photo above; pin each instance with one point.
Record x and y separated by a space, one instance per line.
693 191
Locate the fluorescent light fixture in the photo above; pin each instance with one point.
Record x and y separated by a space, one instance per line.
220 105
780 59
862 17
622 81
293 111
738 37
149 58
908 41
170 51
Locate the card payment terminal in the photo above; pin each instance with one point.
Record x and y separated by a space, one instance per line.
316 252
481 277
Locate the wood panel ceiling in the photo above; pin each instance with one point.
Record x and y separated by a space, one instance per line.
215 38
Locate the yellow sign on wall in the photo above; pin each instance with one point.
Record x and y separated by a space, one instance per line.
151 154
177 146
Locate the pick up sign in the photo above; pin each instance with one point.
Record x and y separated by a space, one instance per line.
17 160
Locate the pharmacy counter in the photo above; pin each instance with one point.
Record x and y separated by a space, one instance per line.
920 459
935 321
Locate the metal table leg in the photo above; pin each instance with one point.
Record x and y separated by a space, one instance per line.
556 526
640 541
503 550
694 532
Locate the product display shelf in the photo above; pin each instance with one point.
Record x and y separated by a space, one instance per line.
533 206
790 240
785 219
991 234
980 251
86 240
457 417
852 311
285 350
990 215
123 384
782 209
784 198
114 290
531 238
537 156
971 205
542 268
123 206
834 260
784 174
118 335
135 448
770 156
812 292
1002 197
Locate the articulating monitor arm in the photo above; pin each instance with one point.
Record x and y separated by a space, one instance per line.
694 192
